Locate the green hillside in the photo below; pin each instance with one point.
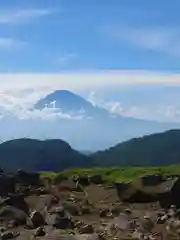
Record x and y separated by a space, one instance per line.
116 173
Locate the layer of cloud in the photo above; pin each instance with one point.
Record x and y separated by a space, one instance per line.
80 81
160 39
159 112
16 16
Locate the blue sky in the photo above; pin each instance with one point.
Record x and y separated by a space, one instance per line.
51 36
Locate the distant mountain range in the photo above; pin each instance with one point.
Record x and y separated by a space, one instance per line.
79 122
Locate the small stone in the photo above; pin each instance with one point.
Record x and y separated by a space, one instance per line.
177 214
87 229
9 235
40 232
85 210
37 219
128 211
116 211
103 213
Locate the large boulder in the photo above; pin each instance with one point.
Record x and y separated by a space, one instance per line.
72 208
9 235
135 192
122 222
146 224
121 188
66 186
7 185
124 190
10 213
17 201
27 179
37 219
139 196
171 194
62 221
152 180
83 180
174 196
96 179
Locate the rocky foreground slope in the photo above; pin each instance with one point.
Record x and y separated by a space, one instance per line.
86 207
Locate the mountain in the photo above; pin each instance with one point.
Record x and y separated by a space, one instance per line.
68 102
36 155
98 129
156 149
75 120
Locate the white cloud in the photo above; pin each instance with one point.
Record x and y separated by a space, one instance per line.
113 107
161 39
11 43
15 16
49 114
163 113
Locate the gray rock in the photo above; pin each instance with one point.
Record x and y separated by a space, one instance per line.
146 224
9 213
86 229
40 232
72 208
62 221
17 201
9 235
37 219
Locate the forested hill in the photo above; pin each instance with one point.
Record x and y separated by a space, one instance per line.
36 155
155 149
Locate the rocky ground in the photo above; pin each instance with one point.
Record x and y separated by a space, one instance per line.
90 212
